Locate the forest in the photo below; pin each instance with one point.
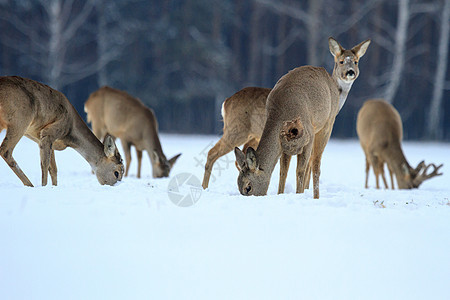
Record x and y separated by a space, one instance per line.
184 58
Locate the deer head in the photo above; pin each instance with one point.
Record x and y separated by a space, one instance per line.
413 177
346 61
109 169
252 179
162 166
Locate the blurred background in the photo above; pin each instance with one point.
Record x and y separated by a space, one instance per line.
183 58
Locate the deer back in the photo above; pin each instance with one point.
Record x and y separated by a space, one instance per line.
239 114
379 126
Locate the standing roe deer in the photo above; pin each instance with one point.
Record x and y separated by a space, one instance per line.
244 115
380 133
46 116
115 112
301 110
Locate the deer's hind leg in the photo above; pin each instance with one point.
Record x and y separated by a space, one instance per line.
13 135
225 145
378 169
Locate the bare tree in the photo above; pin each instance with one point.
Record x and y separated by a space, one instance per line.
435 115
48 37
401 35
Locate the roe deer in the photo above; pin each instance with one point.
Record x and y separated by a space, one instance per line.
380 133
115 112
46 116
244 115
301 109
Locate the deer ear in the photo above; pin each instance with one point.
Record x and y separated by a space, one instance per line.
405 170
335 48
240 158
251 159
173 160
155 157
361 48
420 166
109 147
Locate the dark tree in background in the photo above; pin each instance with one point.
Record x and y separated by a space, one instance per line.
183 58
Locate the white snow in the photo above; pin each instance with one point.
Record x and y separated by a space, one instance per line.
80 240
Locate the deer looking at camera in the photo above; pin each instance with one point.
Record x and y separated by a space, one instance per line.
46 116
117 113
380 133
301 110
244 115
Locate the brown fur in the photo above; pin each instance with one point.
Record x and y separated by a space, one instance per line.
244 117
117 113
380 132
43 114
311 97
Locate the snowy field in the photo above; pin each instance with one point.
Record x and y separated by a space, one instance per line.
80 240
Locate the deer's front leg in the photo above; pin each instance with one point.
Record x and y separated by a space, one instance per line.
53 169
284 168
45 146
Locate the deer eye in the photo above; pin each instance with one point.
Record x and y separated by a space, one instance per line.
355 62
116 174
248 189
341 62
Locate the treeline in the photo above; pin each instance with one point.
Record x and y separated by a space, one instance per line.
183 58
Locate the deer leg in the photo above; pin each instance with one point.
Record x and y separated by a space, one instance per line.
48 136
367 173
374 161
284 168
139 158
320 142
302 165
251 143
53 169
45 146
382 175
225 145
391 174
127 151
6 149
308 174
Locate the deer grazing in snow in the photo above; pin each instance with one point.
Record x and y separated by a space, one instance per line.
115 112
380 133
300 109
244 115
46 116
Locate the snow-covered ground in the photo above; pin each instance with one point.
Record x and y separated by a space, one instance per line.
80 240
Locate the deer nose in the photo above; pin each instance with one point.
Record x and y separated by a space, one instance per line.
350 73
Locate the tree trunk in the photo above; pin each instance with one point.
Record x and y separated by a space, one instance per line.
401 36
436 113
255 45
314 31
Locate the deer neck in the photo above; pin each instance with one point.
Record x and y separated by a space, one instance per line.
396 159
343 87
269 148
85 142
152 143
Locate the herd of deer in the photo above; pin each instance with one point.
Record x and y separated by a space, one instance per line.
296 117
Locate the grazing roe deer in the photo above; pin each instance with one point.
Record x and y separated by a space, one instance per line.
115 112
244 115
46 116
380 133
301 110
